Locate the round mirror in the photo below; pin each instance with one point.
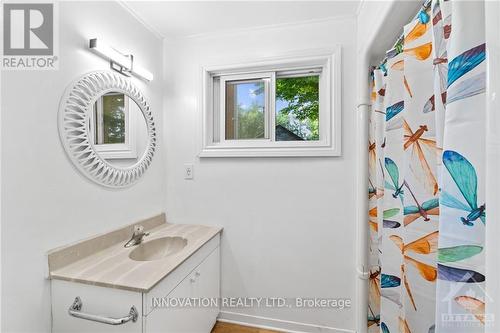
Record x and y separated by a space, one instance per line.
107 128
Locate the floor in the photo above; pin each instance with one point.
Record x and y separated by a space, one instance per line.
233 328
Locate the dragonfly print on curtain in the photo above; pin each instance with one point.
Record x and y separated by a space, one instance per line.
375 196
461 267
426 176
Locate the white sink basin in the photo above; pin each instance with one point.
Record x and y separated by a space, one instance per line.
158 248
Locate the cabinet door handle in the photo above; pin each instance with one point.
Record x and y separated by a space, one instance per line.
75 311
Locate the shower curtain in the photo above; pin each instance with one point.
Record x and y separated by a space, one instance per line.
426 175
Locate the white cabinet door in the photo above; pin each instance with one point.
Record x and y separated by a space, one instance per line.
207 287
106 302
202 282
175 319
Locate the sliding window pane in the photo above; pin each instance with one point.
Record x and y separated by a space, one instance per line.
245 110
297 108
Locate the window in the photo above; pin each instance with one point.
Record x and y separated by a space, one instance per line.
111 127
297 106
246 110
280 107
110 119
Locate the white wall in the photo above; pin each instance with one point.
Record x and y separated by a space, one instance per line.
288 222
45 201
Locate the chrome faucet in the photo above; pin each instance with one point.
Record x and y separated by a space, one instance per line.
137 236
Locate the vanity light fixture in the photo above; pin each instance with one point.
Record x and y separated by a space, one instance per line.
118 61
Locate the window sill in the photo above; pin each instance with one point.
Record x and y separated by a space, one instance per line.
269 152
117 154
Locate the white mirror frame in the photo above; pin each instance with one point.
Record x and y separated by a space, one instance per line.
74 117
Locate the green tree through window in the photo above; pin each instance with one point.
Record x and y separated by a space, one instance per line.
297 105
113 118
251 122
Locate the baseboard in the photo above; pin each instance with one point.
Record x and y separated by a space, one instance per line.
276 324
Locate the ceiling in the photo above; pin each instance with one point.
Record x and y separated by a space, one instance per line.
177 19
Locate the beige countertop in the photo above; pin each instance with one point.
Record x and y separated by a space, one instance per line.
111 266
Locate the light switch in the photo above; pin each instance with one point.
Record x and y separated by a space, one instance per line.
188 171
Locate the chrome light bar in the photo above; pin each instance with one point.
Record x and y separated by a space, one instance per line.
118 61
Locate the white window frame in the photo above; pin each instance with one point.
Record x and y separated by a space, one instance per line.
329 143
116 150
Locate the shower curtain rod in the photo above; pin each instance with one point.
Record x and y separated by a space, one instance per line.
395 49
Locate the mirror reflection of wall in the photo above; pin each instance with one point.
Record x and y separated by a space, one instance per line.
118 129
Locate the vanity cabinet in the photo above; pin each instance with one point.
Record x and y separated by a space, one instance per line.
195 279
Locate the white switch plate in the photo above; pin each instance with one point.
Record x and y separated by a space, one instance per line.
188 171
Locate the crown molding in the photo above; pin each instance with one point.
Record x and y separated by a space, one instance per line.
134 14
236 31
269 27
